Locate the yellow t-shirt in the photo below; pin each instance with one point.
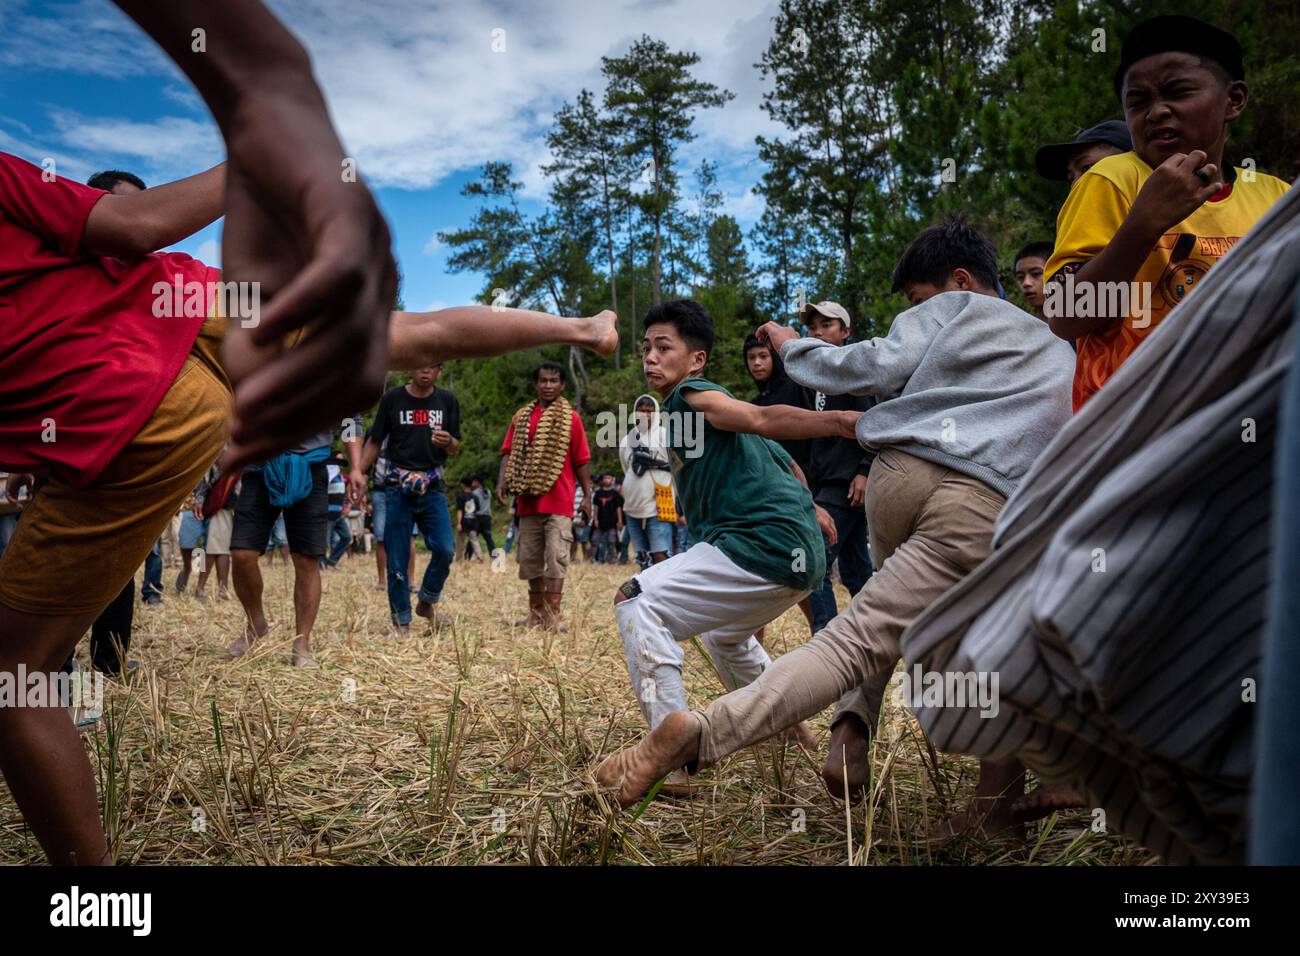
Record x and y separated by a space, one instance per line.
1094 211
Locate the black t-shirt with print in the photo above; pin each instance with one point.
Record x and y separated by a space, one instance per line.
409 422
607 501
467 505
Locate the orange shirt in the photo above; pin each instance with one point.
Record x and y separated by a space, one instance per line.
1097 206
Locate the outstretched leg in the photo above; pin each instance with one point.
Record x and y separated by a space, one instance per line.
861 643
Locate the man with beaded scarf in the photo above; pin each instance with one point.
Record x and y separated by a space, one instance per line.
544 454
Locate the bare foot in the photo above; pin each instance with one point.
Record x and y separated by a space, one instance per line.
678 784
604 335
850 745
800 734
986 816
301 657
244 643
634 770
1045 801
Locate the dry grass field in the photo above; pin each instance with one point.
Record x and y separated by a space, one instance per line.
471 745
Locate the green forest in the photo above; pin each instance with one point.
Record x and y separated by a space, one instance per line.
892 114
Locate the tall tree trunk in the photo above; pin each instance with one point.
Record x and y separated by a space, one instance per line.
852 304
656 272
578 374
631 271
613 280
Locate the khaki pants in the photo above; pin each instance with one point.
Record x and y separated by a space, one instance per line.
76 548
544 546
929 526
171 542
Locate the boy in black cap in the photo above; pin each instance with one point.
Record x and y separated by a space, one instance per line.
1066 162
1139 229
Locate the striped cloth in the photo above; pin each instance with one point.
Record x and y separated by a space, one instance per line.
1123 605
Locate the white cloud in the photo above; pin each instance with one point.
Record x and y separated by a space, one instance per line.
413 85
209 253
167 142
85 37
746 207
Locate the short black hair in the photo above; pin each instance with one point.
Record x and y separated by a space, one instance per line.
951 244
644 401
550 367
111 177
752 341
691 320
466 482
1035 250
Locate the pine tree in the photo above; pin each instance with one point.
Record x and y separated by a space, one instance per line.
653 95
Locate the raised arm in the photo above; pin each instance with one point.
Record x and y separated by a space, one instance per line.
299 222
879 367
134 225
777 422
1170 194
417 339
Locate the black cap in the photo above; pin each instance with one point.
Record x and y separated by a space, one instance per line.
1179 35
1051 161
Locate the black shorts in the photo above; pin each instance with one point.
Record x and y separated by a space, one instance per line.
305 523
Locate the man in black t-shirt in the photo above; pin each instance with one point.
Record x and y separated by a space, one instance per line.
607 519
422 425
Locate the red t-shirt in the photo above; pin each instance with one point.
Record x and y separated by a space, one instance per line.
559 500
83 359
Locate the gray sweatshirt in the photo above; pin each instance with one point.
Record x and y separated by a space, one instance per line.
965 380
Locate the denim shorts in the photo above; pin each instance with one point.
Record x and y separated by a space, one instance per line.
378 514
649 534
192 531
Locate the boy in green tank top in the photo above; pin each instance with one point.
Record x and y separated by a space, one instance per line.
758 535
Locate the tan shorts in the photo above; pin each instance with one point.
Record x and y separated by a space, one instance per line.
220 526
544 542
75 548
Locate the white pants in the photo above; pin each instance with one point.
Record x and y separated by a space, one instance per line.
700 593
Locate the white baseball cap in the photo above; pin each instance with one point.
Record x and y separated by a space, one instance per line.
831 310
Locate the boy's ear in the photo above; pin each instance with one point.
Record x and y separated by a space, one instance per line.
699 358
961 278
1238 94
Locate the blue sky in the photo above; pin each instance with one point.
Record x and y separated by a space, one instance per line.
418 95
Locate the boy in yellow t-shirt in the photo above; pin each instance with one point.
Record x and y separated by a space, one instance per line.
1140 229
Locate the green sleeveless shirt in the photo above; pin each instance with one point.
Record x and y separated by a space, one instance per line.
739 495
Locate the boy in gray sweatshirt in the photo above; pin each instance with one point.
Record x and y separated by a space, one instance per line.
968 389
